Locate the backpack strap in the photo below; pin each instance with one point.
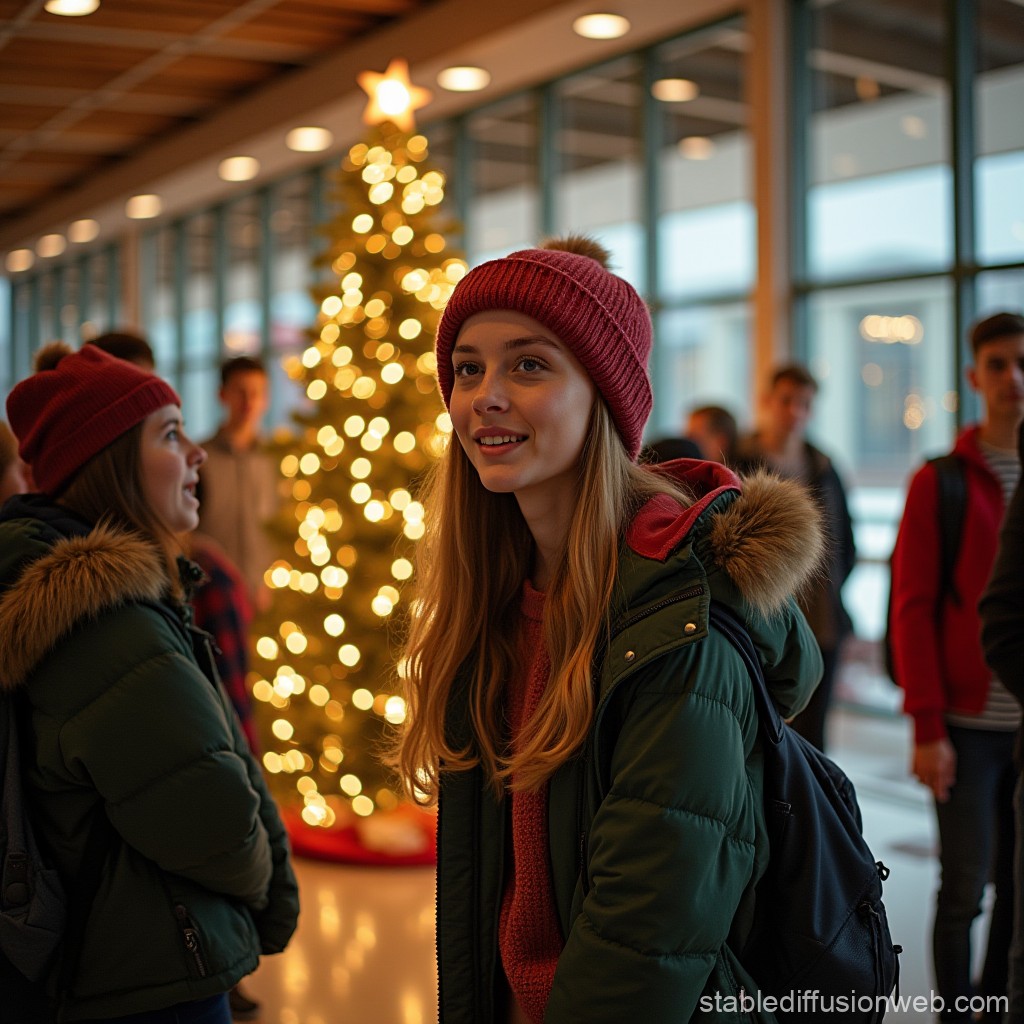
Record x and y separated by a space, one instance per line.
952 506
729 625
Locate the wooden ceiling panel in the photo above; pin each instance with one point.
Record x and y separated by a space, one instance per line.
184 18
300 33
51 73
123 123
112 59
78 94
230 74
23 117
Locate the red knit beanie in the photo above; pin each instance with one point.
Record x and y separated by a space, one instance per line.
597 315
75 405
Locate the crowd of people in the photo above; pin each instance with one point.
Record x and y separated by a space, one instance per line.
589 737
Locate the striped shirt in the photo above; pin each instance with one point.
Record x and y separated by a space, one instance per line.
1002 712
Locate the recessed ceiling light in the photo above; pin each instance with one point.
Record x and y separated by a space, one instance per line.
239 168
71 8
464 79
19 260
601 26
84 230
697 147
51 245
309 139
675 90
143 207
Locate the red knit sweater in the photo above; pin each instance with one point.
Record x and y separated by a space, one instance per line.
529 936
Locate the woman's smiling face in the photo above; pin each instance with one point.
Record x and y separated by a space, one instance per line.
520 405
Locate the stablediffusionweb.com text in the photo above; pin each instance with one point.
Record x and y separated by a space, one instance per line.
813 1001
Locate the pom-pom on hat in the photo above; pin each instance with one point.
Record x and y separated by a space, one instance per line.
74 405
567 287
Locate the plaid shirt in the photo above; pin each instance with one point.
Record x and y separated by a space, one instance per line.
222 608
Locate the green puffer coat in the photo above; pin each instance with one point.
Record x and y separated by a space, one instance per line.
656 832
124 729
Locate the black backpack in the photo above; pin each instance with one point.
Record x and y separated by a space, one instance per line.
33 908
820 932
41 927
952 504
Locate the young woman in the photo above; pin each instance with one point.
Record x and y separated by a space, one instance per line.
141 785
593 745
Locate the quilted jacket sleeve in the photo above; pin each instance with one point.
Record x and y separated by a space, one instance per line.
277 920
672 846
153 736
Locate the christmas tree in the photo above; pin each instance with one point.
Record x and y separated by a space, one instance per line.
326 652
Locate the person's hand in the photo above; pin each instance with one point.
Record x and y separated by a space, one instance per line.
935 766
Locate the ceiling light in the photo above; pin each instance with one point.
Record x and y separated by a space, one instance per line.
464 79
309 139
601 26
675 90
84 230
697 147
71 8
51 245
19 260
143 207
239 168
914 127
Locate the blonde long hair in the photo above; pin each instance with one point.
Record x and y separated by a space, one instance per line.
472 563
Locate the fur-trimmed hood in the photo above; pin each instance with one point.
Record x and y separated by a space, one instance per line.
769 540
72 579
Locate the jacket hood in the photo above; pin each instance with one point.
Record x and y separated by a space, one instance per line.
58 583
764 532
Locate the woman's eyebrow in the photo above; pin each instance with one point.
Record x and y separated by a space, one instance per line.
511 344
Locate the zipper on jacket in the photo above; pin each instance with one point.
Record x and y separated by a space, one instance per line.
191 937
696 590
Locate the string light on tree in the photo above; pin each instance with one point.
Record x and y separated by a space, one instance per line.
373 422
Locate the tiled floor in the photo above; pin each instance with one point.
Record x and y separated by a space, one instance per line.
364 950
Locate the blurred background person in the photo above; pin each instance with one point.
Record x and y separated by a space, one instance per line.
780 444
964 718
238 484
715 431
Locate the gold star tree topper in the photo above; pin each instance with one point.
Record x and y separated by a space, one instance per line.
392 96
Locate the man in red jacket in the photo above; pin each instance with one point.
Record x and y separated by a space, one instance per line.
964 719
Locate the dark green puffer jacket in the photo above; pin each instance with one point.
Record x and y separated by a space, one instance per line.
656 831
123 728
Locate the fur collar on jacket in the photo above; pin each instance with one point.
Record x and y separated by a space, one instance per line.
76 579
769 540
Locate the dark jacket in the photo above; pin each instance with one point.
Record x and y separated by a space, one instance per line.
821 598
1002 605
656 832
940 662
122 728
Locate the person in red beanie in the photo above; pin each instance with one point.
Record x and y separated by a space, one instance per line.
589 737
145 798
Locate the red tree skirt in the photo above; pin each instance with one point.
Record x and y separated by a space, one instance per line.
405 837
